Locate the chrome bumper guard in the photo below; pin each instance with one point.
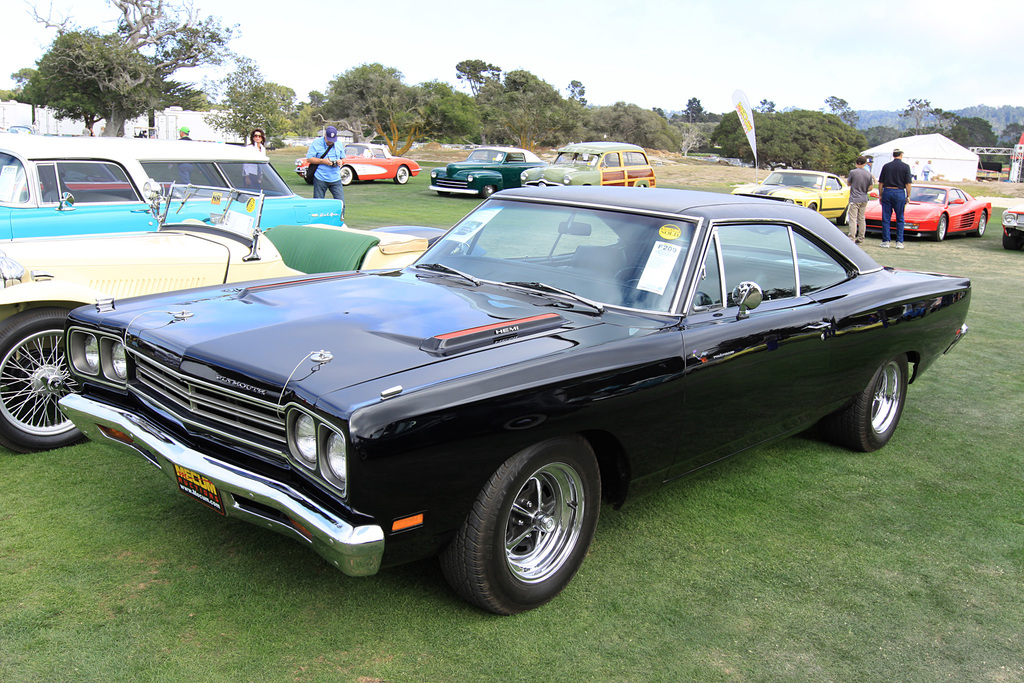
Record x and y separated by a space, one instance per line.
355 550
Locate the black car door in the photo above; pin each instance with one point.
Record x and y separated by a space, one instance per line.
755 375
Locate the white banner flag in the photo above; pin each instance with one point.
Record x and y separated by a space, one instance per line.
739 100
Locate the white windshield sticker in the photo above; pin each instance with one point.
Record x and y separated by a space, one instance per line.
658 270
465 230
235 220
8 176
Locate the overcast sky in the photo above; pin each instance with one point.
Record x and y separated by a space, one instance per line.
875 55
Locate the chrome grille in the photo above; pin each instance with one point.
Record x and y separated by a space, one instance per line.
211 407
452 183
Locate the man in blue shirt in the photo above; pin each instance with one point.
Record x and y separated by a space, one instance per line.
894 184
328 158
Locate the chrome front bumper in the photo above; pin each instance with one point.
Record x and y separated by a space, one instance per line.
355 550
453 190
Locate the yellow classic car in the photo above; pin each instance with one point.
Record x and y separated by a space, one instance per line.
42 279
826 193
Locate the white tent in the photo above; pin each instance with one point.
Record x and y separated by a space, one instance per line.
950 161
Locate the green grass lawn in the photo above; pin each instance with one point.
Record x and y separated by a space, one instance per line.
798 561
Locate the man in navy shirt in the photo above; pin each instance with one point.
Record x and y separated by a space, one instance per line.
328 158
893 190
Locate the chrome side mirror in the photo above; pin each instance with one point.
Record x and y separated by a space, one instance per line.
67 202
748 296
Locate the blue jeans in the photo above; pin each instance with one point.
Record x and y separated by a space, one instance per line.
320 188
893 199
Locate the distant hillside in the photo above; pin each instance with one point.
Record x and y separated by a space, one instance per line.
997 116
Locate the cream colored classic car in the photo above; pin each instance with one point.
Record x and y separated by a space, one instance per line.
44 278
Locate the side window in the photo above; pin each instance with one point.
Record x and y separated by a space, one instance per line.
48 190
611 160
817 268
832 183
709 282
636 159
957 194
13 182
95 182
515 157
758 253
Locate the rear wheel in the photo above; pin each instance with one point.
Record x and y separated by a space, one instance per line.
982 224
869 420
812 206
402 175
33 376
940 229
529 529
488 190
347 175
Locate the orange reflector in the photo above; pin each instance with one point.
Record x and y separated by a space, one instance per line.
407 522
301 529
116 434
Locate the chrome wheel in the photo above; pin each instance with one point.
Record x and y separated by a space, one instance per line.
982 224
940 229
544 523
887 402
402 175
33 377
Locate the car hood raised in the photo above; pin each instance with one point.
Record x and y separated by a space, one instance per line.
373 326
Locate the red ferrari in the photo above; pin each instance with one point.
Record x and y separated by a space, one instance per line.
936 211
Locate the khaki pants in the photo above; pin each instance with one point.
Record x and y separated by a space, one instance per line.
856 220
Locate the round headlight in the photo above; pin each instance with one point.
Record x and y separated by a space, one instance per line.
566 179
305 439
433 174
118 361
91 353
523 175
469 178
1010 218
337 452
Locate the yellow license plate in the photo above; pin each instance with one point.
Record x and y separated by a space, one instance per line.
197 486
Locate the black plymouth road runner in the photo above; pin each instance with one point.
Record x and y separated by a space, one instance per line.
557 348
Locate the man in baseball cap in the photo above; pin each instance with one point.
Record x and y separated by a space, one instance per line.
183 133
327 156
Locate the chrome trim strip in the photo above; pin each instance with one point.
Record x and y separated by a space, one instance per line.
453 190
355 550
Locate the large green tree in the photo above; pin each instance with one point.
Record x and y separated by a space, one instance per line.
624 122
119 75
476 73
449 115
973 132
842 109
375 97
796 139
527 111
251 102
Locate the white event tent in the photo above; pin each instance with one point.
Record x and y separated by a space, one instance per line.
950 161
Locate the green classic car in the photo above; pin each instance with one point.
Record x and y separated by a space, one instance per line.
825 193
595 163
485 171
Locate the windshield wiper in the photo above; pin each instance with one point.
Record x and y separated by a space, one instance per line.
441 268
542 287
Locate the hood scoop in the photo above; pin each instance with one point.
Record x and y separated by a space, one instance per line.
486 335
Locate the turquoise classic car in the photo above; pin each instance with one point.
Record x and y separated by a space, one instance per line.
52 186
485 171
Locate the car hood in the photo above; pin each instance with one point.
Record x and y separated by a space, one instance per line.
775 190
374 326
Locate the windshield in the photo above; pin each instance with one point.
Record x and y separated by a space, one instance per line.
486 155
576 159
235 210
794 180
928 195
252 175
615 258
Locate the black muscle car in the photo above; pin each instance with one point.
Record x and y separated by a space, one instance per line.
556 348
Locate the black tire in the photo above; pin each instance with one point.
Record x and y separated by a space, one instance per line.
347 175
487 191
1013 241
529 529
841 219
870 419
308 179
940 229
982 224
402 175
33 376
812 206
442 194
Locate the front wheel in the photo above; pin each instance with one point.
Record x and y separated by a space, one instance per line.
402 175
347 175
487 191
33 376
1013 241
940 229
869 420
529 529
